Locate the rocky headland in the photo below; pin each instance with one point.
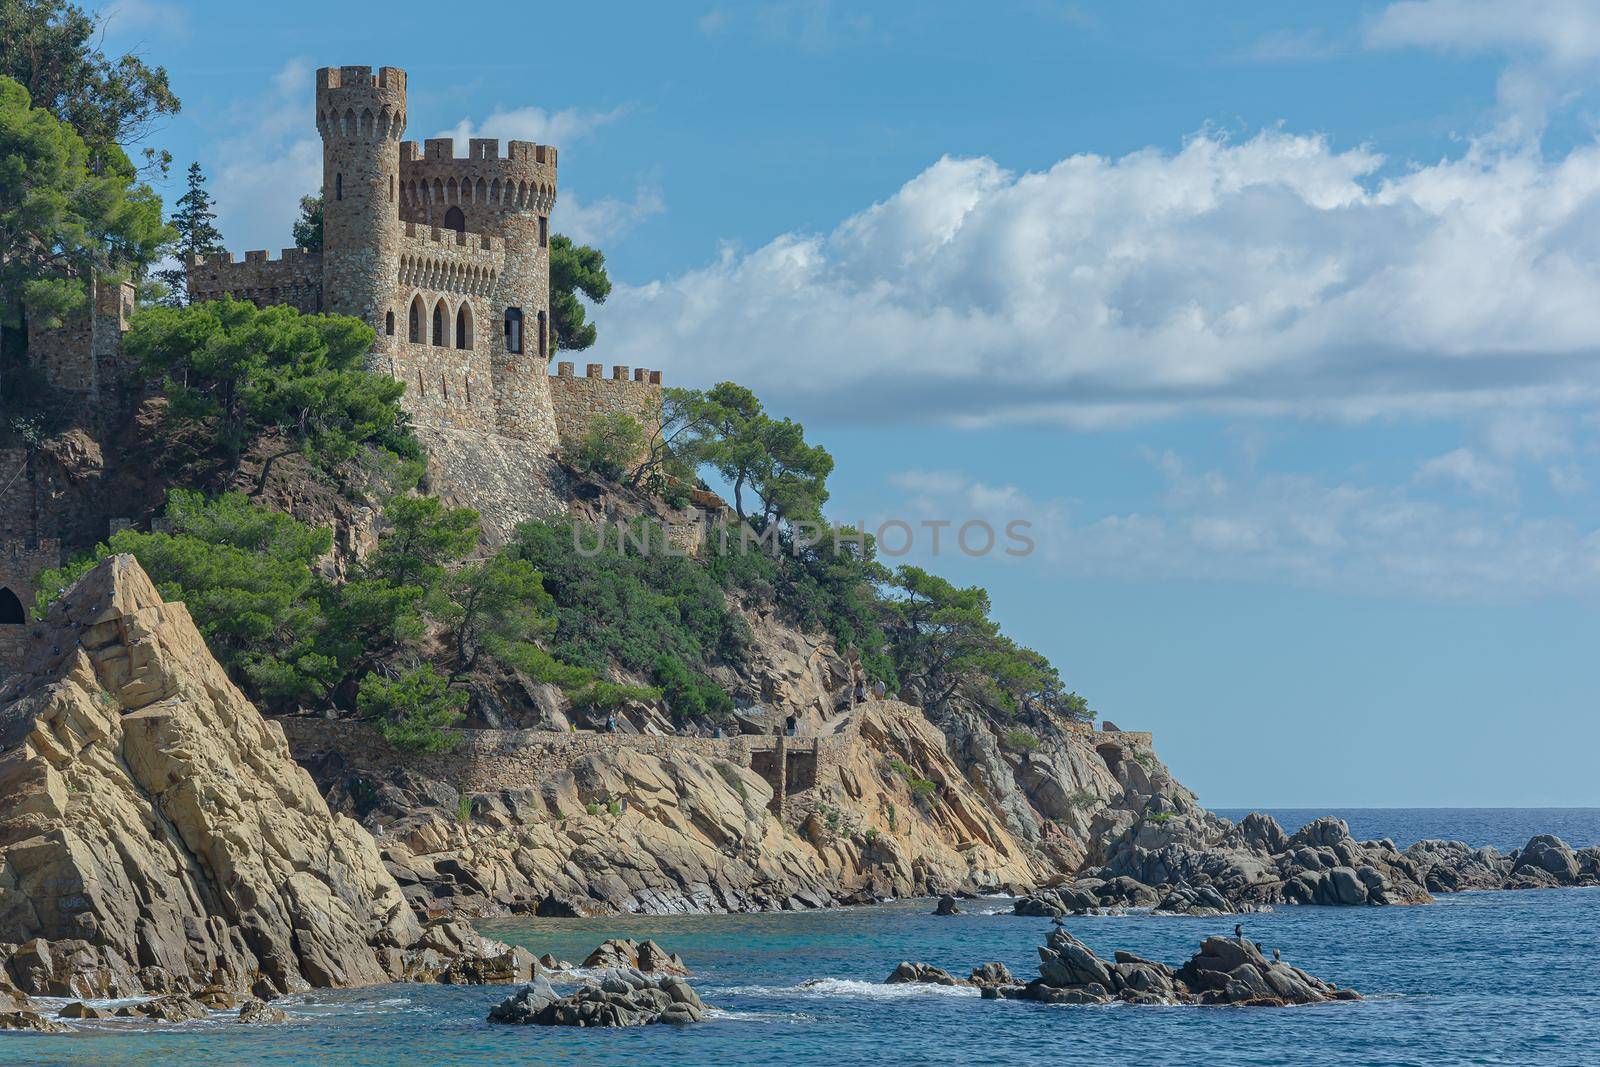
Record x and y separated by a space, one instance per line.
1176 857
157 838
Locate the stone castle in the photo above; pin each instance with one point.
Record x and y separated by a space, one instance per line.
447 258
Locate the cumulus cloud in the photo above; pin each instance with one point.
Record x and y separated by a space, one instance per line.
1293 529
1274 275
533 124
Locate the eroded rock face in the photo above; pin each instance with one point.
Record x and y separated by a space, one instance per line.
157 834
686 831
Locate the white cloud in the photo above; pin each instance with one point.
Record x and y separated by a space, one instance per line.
1277 275
1553 47
535 124
276 159
606 218
1290 529
1529 435
1464 467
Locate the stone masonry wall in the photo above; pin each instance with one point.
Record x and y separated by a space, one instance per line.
295 279
491 760
578 401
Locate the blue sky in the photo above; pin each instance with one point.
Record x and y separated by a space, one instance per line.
1277 321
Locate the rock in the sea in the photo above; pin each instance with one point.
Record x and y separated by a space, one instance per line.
946 906
26 1019
79 1010
646 956
256 1012
991 974
925 973
622 997
1224 971
173 1008
156 833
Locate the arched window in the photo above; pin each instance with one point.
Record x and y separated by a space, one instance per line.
440 338
388 323
338 186
542 336
463 327
455 220
10 608
416 321
513 329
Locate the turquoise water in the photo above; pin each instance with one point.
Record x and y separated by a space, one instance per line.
1502 978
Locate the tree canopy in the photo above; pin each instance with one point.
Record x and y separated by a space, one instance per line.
253 370
49 48
574 269
308 227
197 235
60 221
729 430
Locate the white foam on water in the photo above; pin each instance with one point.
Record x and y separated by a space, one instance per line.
833 988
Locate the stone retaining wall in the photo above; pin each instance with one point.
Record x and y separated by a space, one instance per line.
488 761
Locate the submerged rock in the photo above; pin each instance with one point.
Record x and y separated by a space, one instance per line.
622 997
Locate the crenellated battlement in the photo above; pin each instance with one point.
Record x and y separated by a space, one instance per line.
221 259
578 401
420 236
352 102
295 278
524 179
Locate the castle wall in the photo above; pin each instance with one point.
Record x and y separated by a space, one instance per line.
19 562
579 401
295 279
510 198
84 353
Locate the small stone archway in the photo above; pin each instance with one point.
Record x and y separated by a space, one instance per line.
11 612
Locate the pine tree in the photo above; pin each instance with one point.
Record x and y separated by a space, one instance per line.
197 235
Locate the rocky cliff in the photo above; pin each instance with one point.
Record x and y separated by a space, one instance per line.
664 824
156 834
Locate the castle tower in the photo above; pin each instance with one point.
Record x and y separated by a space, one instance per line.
499 204
361 118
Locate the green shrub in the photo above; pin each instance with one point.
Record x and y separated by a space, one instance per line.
652 613
1019 740
414 711
463 808
609 447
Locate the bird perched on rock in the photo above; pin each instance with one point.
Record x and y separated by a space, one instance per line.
1277 957
1238 931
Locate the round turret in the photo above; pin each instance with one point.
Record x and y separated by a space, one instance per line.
361 117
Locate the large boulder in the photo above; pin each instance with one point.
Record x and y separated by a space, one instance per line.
156 832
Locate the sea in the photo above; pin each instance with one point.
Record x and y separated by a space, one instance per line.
1476 978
